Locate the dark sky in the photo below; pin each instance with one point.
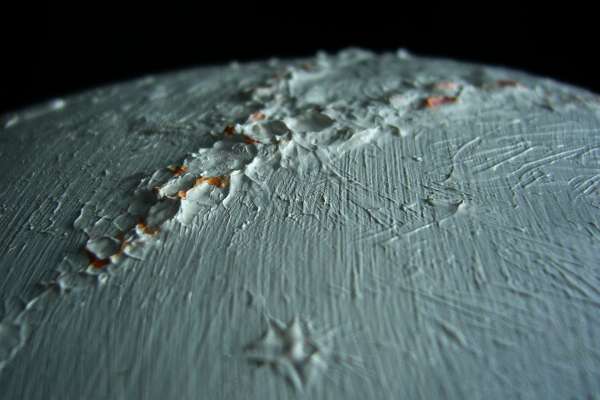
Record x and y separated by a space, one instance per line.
55 53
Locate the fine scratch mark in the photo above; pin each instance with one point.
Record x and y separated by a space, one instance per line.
458 153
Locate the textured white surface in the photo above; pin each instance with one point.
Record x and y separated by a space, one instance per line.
348 226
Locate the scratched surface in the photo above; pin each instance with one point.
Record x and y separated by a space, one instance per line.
347 226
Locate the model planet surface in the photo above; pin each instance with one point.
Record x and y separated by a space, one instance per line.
351 226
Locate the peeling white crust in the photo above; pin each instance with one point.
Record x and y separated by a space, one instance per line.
442 216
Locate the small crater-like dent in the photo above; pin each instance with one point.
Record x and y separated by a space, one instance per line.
291 350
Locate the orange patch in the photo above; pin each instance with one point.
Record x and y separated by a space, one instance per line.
182 194
96 262
177 171
218 181
229 130
436 101
148 230
257 116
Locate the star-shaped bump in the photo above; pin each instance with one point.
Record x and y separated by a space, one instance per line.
291 350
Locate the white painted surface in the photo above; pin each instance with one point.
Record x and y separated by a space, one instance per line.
350 226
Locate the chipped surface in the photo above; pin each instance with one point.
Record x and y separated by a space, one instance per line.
436 222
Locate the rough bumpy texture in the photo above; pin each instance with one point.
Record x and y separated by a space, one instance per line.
350 226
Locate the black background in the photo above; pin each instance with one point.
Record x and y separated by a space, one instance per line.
55 52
